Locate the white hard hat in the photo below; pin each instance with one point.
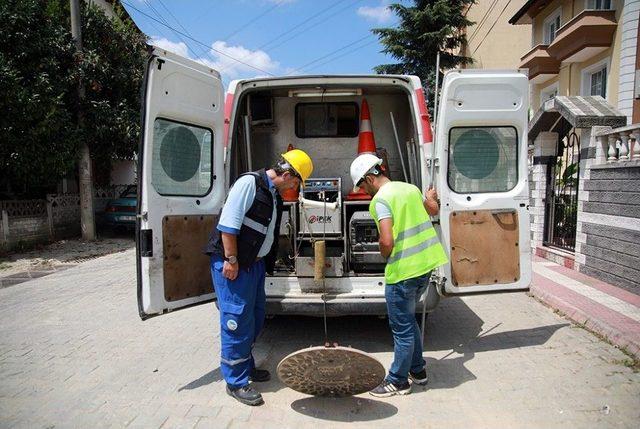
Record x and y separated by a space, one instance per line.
361 166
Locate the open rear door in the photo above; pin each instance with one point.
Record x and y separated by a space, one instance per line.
180 182
483 183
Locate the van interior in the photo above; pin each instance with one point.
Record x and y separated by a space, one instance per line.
325 123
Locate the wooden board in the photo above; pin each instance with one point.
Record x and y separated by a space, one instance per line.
186 269
484 247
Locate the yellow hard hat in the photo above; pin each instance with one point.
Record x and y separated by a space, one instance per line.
300 161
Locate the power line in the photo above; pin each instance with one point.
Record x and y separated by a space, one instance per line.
206 52
197 41
314 25
278 37
482 21
302 23
251 21
343 55
494 24
164 22
330 53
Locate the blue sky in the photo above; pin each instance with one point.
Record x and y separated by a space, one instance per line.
270 36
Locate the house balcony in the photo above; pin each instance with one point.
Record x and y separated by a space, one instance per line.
541 65
585 36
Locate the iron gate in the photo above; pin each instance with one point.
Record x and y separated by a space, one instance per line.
561 205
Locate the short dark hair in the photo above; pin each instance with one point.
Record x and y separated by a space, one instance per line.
282 166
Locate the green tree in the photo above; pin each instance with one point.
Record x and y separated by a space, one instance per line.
114 54
39 73
426 28
38 142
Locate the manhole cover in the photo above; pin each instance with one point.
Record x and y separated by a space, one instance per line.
330 371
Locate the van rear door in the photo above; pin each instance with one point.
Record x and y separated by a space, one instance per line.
181 182
483 181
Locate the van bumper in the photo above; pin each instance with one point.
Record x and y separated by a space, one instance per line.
335 306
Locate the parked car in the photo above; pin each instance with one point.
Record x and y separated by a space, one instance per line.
121 212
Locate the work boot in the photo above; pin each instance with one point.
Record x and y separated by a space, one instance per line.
245 394
419 378
387 388
260 375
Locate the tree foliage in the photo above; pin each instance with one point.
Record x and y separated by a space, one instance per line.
39 75
426 28
38 139
112 68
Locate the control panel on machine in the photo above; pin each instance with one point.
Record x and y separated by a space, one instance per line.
363 244
320 210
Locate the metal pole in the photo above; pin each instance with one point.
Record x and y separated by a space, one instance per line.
435 123
87 222
395 133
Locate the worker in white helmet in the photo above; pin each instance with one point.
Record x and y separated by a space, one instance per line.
409 242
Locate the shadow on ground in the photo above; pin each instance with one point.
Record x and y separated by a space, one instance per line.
208 378
352 409
284 335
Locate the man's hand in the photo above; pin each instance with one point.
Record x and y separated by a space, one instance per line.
431 194
230 270
431 202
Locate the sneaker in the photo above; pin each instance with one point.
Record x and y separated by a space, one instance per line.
245 394
259 375
419 377
387 388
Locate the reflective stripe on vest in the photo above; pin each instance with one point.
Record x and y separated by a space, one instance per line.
256 226
416 247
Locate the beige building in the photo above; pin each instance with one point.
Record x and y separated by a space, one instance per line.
492 42
584 134
582 47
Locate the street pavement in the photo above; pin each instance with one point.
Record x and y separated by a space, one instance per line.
74 353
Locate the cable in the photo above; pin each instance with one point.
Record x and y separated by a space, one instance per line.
314 25
196 40
343 55
482 21
204 51
494 24
251 21
329 54
164 22
278 37
302 23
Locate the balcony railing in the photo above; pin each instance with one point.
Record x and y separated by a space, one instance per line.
619 145
587 34
541 65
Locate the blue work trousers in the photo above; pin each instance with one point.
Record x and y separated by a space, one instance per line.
407 340
241 302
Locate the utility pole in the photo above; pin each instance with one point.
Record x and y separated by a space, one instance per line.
87 222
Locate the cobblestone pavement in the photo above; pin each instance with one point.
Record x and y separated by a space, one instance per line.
73 353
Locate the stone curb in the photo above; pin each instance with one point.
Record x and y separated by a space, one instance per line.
600 327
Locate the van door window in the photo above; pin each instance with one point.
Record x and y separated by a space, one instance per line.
327 120
483 159
182 159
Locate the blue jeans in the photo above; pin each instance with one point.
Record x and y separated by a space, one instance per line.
407 339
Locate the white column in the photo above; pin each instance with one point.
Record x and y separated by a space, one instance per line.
624 146
611 153
635 153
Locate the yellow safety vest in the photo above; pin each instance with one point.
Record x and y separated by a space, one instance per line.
416 247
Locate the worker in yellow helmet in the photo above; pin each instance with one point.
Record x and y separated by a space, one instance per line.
243 248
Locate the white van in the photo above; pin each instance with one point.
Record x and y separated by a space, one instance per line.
197 140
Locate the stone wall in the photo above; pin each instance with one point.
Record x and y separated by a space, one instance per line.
609 226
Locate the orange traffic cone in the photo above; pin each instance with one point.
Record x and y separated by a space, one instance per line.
366 144
290 195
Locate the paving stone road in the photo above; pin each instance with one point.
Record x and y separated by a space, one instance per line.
73 353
